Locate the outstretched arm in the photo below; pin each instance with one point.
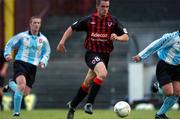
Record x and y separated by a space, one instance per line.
165 41
66 35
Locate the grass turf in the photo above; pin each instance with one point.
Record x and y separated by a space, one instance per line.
98 114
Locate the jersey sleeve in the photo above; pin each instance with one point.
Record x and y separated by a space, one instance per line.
165 41
119 29
80 25
45 52
13 42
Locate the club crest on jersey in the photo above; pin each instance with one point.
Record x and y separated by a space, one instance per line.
109 24
40 40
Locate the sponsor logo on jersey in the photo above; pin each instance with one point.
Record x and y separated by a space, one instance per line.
40 40
99 35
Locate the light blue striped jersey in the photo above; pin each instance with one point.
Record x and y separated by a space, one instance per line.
31 49
167 48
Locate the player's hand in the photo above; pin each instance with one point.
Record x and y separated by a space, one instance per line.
61 47
41 65
8 58
113 37
136 58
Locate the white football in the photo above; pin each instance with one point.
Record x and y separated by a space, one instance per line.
122 109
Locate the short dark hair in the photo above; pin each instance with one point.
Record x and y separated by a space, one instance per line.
34 17
98 1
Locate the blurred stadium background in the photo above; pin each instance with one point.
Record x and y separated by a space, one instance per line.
145 20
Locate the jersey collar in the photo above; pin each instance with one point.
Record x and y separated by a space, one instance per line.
29 32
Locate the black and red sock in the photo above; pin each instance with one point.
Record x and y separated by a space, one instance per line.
94 90
82 92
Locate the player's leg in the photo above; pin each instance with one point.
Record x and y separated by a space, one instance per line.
167 104
83 90
24 74
101 72
164 77
18 87
169 101
81 94
170 90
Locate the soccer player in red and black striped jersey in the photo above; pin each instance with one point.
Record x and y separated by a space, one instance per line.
102 30
3 73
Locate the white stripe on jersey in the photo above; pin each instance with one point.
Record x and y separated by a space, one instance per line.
25 51
173 52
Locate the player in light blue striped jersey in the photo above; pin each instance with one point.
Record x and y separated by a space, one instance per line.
168 68
32 50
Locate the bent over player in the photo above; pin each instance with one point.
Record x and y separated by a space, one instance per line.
167 70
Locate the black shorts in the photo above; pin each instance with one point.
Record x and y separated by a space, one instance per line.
167 73
26 69
92 58
1 81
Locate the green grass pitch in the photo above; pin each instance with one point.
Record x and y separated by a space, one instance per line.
98 114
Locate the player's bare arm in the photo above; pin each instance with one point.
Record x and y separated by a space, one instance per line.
61 46
123 37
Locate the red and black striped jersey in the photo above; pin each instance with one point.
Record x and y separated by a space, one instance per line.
2 59
99 31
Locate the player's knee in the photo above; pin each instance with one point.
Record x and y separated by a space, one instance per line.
21 78
103 75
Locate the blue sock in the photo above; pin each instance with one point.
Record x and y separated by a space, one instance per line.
17 101
167 104
17 96
13 86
